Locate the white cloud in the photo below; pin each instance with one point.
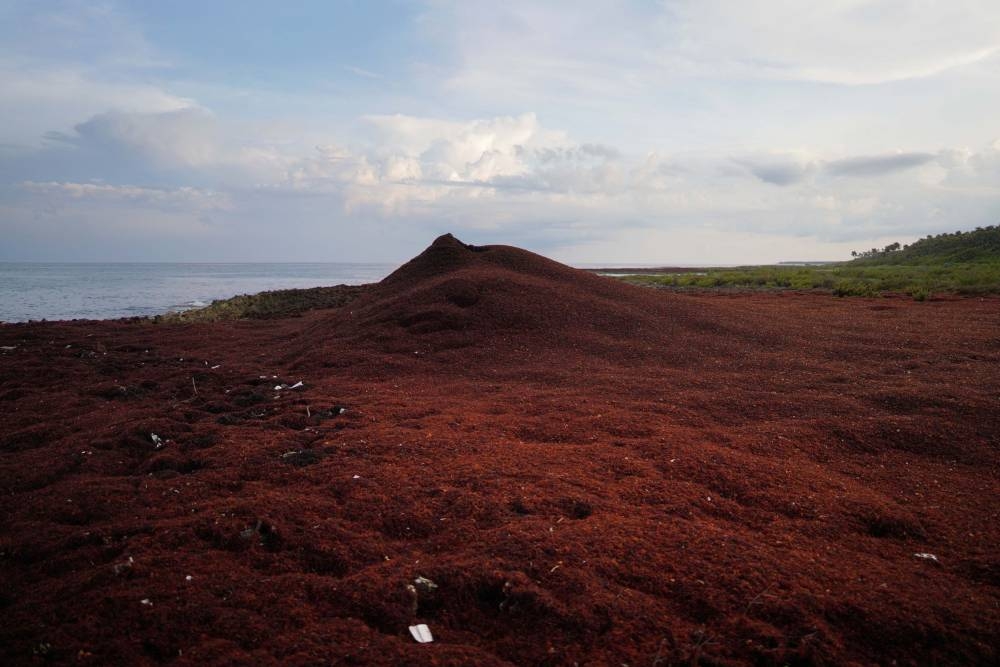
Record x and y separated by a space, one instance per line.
614 48
512 173
678 122
59 95
839 41
182 137
70 60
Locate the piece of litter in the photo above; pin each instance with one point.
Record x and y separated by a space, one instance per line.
188 578
159 442
926 556
8 348
421 633
356 477
424 585
297 385
118 568
146 602
215 366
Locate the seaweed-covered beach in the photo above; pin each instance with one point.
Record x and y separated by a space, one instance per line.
542 465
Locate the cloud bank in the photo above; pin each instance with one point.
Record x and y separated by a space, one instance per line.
673 132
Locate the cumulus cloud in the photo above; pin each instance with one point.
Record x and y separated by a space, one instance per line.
184 136
979 170
59 95
185 146
474 151
516 174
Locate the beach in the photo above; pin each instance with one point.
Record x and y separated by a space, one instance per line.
586 472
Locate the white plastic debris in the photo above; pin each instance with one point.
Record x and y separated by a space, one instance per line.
215 366
356 477
424 585
8 348
118 568
421 633
188 578
926 556
297 385
147 602
158 442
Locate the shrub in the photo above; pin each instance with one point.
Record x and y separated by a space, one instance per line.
854 288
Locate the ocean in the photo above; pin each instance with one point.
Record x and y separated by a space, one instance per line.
36 291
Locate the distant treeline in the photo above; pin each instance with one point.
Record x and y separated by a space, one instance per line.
966 263
979 245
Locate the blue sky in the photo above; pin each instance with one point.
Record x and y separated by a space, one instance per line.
677 131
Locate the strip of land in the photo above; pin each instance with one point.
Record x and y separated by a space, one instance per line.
964 263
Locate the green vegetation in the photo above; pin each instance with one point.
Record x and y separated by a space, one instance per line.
980 245
960 263
267 305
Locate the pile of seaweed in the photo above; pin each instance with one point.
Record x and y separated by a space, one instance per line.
498 299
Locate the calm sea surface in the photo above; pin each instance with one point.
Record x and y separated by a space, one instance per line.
105 291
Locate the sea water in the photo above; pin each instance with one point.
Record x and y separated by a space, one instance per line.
36 291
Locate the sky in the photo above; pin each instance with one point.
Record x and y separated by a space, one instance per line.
671 131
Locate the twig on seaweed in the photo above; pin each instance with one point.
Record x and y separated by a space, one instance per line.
670 645
194 385
759 598
700 639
